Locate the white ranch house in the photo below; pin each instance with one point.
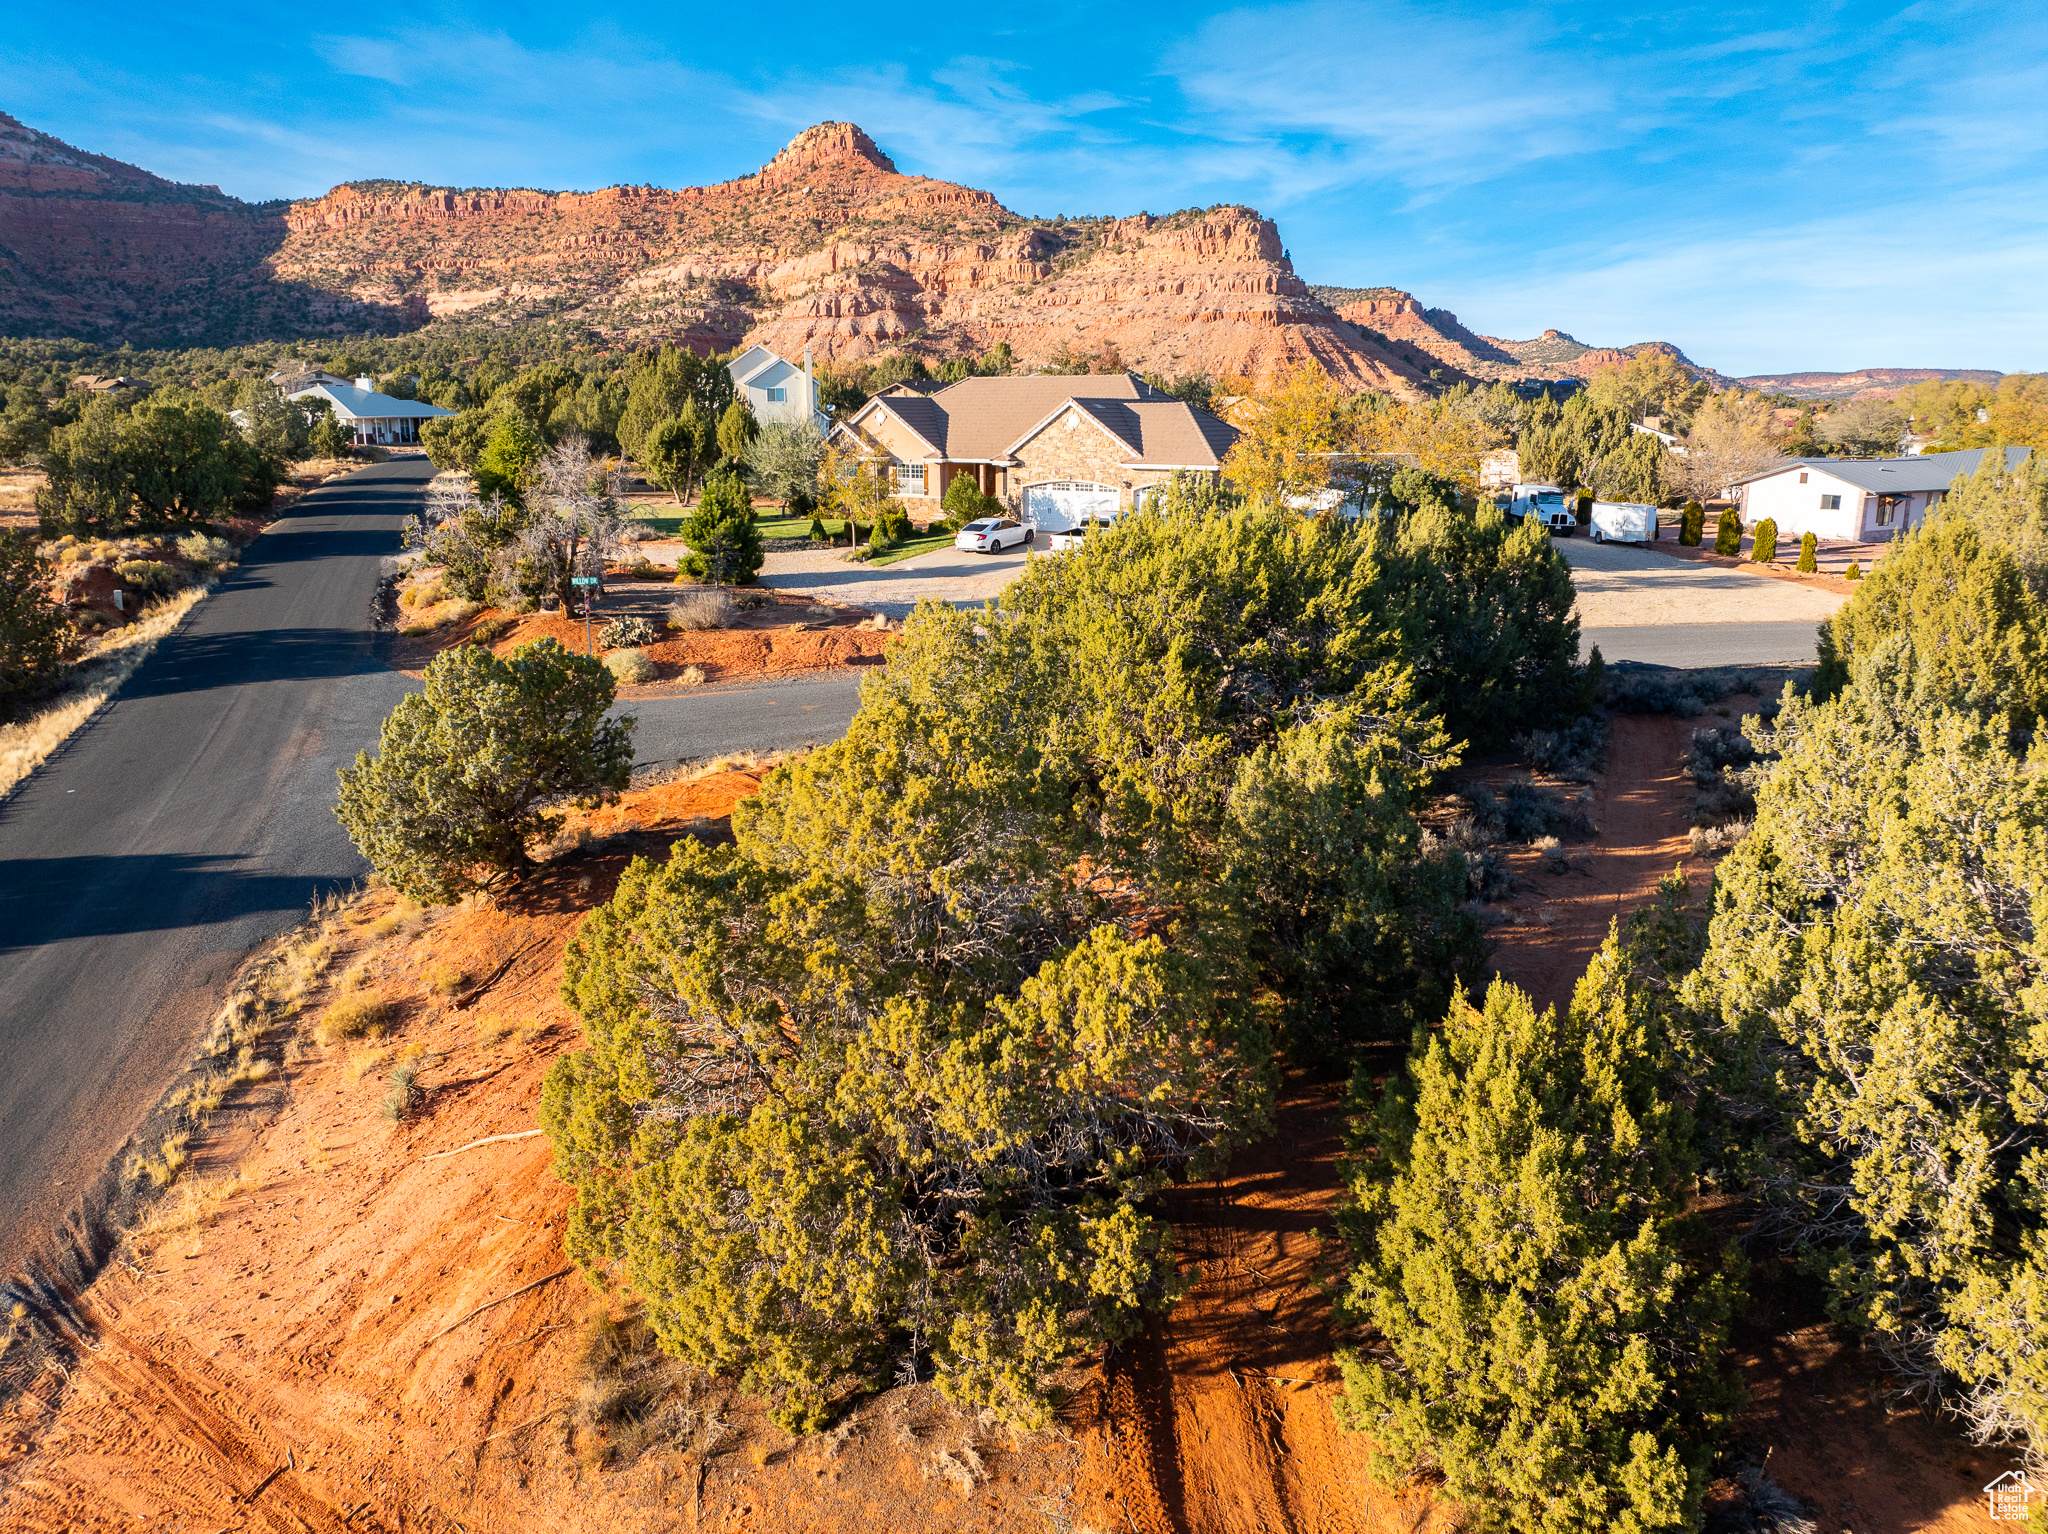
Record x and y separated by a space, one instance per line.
1855 500
375 419
775 390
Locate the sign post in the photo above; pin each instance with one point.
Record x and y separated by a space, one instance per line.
585 581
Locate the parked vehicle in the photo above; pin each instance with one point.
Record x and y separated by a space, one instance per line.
1072 538
1623 522
991 535
1547 504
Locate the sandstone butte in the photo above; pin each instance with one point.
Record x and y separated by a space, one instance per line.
827 246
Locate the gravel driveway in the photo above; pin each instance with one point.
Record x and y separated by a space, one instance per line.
965 580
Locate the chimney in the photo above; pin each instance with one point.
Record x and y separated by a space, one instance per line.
363 383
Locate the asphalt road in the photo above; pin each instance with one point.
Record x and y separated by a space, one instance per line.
192 819
1705 644
188 822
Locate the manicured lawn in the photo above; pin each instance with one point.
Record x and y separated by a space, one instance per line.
913 548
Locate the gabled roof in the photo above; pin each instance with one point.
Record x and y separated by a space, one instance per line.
367 404
750 362
1897 476
1164 433
986 420
987 416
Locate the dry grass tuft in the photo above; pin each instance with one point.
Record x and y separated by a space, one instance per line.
354 1017
111 661
1710 839
708 608
447 979
634 668
403 1094
693 676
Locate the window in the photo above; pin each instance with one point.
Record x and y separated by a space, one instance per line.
1829 502
777 395
1802 479
910 479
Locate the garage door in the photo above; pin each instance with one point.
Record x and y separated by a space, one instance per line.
1061 505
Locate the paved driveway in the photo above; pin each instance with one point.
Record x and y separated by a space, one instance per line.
1640 606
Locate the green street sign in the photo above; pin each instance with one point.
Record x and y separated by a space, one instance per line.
583 580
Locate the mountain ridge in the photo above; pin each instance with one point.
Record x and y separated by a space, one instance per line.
827 246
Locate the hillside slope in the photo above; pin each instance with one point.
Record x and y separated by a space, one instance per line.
1864 382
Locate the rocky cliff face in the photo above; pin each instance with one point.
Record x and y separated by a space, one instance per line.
93 247
827 246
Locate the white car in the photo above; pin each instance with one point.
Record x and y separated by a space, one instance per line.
1072 538
991 535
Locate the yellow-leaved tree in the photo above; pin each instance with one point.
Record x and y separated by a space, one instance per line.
1294 428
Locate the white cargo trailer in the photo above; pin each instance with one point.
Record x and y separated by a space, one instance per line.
1623 522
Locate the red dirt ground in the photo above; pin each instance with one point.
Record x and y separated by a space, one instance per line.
789 635
319 1318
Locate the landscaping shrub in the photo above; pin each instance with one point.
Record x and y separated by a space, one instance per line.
203 549
151 577
707 608
1809 561
475 769
817 532
1572 752
724 542
625 633
1764 545
1692 524
1728 533
631 668
1854 572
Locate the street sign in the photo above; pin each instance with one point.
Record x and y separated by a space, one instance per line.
583 580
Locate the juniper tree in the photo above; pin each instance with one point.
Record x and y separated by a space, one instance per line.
885 1088
1876 971
1728 533
1545 1341
472 771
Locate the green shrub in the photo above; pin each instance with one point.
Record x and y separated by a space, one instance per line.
1764 545
31 625
1692 524
817 533
1854 572
204 550
403 1093
725 544
1809 562
1728 532
151 577
477 767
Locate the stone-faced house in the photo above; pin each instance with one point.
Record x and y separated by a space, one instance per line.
1058 450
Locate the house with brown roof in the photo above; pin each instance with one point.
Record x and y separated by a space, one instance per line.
1059 450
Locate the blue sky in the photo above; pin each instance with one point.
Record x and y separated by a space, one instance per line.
1769 186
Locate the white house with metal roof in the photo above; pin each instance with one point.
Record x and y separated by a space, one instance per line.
1856 500
374 418
777 391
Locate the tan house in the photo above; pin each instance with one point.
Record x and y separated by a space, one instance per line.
1058 450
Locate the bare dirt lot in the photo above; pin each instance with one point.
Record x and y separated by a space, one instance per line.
341 1322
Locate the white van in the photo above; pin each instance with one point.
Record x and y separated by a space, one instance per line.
1623 522
1547 504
